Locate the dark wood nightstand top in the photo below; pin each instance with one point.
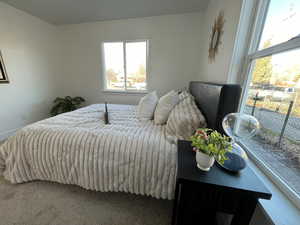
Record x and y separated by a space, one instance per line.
244 181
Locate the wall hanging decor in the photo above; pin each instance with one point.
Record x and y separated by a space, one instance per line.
215 38
3 73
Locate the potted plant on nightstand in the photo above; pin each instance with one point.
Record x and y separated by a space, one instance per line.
208 145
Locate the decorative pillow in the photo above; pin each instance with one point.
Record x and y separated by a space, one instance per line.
165 105
146 107
185 94
184 119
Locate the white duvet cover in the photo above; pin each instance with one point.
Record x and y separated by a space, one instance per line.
78 148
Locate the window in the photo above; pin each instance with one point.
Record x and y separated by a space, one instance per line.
282 21
125 65
272 90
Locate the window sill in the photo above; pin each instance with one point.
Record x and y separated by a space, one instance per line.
280 209
125 92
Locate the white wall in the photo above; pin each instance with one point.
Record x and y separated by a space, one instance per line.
217 71
174 47
30 51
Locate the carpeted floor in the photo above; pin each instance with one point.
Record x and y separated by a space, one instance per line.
45 203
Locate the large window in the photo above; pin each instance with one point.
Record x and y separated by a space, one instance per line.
273 90
125 65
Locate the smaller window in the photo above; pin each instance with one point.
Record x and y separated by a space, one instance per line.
125 65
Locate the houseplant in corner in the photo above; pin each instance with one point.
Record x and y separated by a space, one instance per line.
66 104
208 145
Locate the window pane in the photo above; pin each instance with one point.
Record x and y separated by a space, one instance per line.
136 55
282 22
114 65
275 87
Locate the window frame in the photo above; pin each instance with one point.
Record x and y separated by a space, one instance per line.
249 61
104 79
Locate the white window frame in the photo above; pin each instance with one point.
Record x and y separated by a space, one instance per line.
104 81
253 54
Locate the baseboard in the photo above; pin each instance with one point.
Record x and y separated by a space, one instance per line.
4 135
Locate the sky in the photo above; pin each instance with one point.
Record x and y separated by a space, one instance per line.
283 21
135 56
282 24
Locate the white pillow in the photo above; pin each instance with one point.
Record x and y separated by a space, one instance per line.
184 119
185 94
146 107
165 105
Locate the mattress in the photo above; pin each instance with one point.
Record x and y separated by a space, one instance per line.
78 148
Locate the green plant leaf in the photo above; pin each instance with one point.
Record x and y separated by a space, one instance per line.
66 104
212 143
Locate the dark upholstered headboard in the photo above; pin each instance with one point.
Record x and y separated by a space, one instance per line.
215 101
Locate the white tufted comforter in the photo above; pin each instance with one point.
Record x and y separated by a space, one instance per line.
77 148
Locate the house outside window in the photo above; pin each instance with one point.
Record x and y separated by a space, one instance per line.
272 91
125 65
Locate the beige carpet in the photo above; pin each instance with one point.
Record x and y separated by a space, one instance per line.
45 203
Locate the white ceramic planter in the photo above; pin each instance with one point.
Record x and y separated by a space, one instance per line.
204 161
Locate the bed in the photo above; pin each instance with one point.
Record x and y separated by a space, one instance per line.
127 155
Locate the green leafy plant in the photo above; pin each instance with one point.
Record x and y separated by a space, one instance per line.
212 143
66 104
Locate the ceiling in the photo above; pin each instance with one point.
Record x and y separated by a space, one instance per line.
79 11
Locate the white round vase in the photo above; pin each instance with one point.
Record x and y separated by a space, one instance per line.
204 161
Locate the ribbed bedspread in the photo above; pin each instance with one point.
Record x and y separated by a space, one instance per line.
77 148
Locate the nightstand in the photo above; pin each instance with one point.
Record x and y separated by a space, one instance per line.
200 195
